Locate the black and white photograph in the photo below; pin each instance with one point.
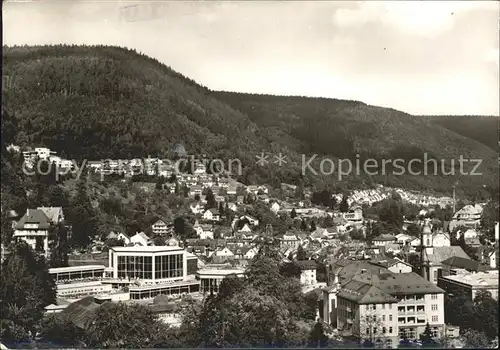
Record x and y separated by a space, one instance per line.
249 174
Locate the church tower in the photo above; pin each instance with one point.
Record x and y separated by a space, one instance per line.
426 249
330 302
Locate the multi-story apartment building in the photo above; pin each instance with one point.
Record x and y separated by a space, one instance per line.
367 313
386 308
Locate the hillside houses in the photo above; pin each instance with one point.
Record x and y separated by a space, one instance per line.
289 241
383 239
204 231
161 228
469 216
370 196
140 239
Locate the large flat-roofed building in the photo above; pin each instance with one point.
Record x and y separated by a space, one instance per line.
186 286
464 282
82 289
149 271
150 264
211 278
77 273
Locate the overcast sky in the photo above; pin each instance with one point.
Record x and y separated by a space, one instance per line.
421 58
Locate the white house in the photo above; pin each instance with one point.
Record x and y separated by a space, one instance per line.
250 254
211 215
403 238
33 227
384 239
253 189
245 229
251 220
224 253
355 216
140 239
307 272
275 207
231 191
469 216
263 189
204 231
469 234
394 265
160 227
195 191
289 240
119 236
196 208
232 206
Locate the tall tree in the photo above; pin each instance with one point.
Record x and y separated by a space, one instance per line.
26 287
344 205
426 337
82 216
317 337
60 247
486 314
391 213
301 253
210 198
121 325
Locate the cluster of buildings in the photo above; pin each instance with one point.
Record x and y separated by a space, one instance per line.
382 300
371 291
47 155
139 273
379 193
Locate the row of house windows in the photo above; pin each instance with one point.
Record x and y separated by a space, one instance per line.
167 290
374 306
374 317
74 292
369 330
411 333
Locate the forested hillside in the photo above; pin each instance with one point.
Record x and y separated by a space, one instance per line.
343 129
108 102
483 129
